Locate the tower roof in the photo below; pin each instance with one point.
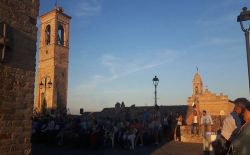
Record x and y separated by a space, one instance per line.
56 10
197 77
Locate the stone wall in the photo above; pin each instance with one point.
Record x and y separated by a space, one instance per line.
215 105
186 130
134 112
17 75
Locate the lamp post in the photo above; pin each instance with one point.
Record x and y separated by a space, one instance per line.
243 18
45 83
155 83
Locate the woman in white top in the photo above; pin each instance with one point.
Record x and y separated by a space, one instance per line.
195 124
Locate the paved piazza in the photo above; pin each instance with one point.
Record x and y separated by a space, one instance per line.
172 148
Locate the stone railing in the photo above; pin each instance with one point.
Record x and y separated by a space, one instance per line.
186 135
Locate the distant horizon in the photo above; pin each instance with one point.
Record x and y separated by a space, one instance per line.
129 107
116 48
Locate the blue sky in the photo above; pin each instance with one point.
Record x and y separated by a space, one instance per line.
118 46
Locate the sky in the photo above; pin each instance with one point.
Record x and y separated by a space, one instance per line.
118 46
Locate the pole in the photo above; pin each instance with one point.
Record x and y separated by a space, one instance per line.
248 55
45 83
155 96
39 100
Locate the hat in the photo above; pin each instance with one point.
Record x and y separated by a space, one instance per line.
242 101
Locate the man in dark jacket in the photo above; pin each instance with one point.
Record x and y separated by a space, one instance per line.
231 126
241 144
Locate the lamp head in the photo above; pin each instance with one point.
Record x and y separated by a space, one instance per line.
41 85
155 81
244 15
50 83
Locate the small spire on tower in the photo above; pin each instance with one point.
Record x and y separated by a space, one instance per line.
197 69
56 4
57 7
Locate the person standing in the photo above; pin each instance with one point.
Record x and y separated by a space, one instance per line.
157 124
195 124
231 126
206 122
145 117
178 128
240 145
165 127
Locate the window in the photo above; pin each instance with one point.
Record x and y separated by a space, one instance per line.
60 35
196 90
47 34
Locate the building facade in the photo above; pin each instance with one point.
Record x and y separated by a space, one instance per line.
215 105
52 72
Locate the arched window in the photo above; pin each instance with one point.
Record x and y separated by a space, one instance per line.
60 35
47 34
196 90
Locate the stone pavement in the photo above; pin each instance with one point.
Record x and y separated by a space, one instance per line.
171 148
179 148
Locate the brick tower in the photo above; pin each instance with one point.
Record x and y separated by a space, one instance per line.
52 72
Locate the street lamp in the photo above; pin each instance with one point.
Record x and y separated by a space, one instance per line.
155 83
243 18
45 83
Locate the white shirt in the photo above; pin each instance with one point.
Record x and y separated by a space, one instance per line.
195 119
206 119
229 126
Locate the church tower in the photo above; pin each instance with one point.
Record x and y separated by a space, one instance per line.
52 72
197 84
194 100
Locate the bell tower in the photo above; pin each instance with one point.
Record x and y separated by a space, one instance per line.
52 73
197 84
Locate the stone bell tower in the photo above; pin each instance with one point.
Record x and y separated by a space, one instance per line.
194 100
197 84
52 72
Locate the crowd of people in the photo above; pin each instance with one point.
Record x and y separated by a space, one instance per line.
88 131
154 127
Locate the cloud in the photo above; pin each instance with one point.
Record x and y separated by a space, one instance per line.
217 20
124 66
115 66
87 8
142 61
110 61
214 41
